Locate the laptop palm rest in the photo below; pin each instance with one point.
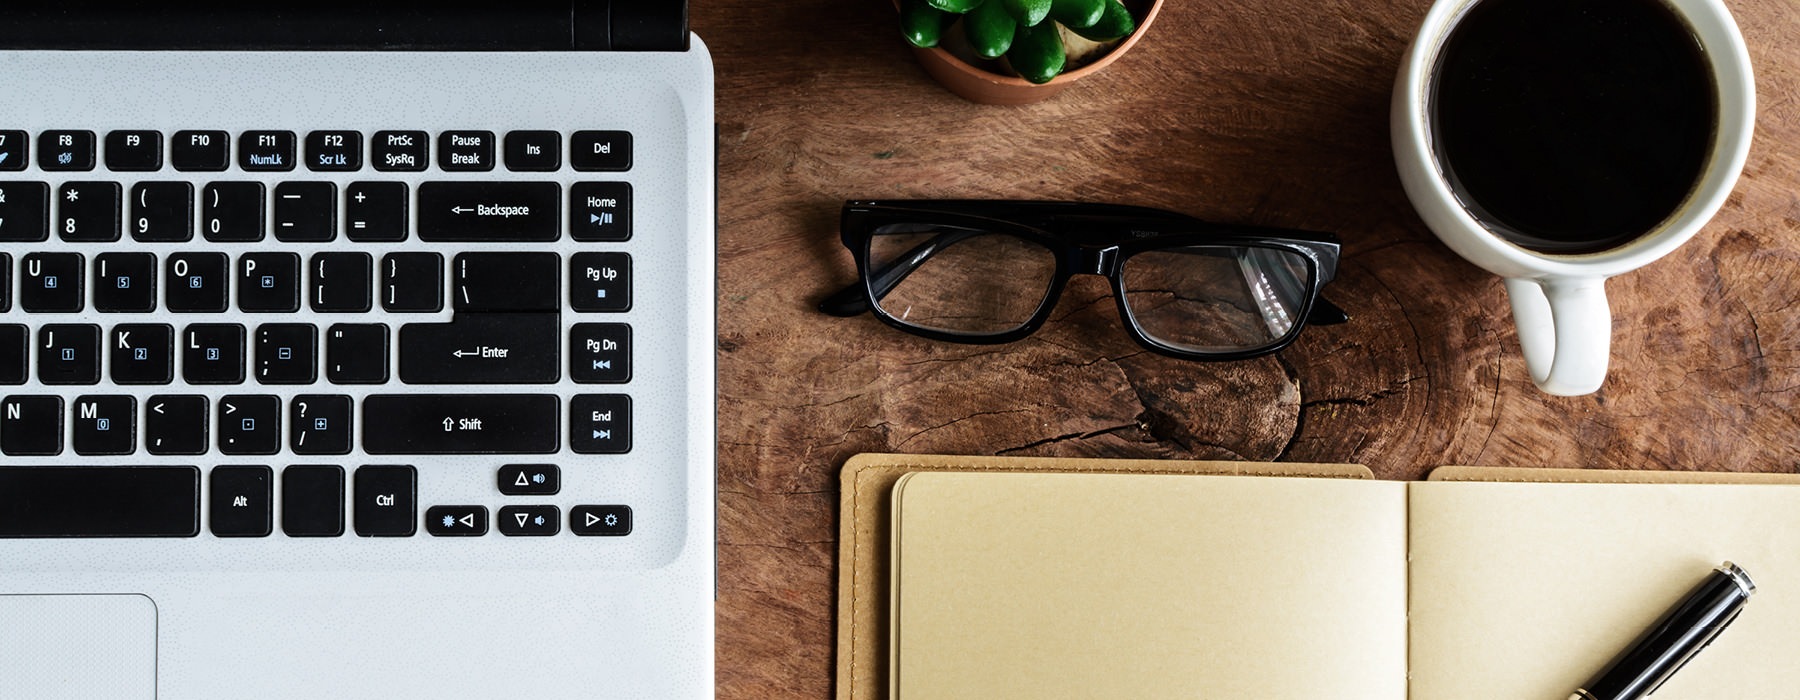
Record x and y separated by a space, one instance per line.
78 646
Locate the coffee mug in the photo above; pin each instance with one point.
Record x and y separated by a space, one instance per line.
1552 235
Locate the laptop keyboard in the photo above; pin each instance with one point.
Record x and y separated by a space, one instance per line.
247 327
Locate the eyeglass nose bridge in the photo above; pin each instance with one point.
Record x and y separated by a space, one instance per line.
1094 260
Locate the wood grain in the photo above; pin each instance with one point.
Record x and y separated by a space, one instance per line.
1269 113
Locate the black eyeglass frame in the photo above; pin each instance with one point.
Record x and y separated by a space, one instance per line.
1084 238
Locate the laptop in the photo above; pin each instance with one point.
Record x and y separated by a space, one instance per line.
356 350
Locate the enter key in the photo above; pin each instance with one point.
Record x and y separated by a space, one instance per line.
482 348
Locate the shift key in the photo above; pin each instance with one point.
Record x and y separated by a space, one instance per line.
433 424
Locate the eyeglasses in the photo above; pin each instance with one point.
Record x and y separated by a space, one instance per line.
972 271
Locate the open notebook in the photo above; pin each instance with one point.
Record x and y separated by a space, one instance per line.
1034 585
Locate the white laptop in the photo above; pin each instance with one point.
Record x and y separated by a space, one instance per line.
356 351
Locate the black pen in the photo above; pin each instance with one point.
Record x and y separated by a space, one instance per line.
1675 638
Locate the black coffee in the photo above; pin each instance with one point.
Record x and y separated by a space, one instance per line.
1572 126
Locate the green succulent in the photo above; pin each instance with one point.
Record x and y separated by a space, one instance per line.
1024 31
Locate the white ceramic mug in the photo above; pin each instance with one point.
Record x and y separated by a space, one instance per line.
1559 300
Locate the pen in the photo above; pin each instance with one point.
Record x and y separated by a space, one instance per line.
1675 638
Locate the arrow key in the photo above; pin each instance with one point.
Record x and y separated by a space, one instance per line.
605 521
529 521
456 521
529 480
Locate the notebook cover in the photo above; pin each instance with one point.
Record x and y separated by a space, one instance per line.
867 482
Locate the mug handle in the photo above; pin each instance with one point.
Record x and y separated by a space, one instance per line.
1565 328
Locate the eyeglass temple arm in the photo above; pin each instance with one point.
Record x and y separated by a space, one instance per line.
1325 313
851 300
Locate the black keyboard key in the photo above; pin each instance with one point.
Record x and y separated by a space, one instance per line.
604 521
269 282
529 521
15 149
600 423
305 211
88 211
142 353
66 501
68 353
134 151
600 353
600 281
466 151
533 151
105 425
203 151
489 211
505 282
24 211
51 283
66 150
600 211
242 499
456 521
212 353
31 425
600 150
334 151
287 353
529 479
320 424
266 151
5 282
340 282
196 282
175 425
162 212
386 501
482 348
404 151
356 353
375 211
428 424
125 282
15 343
312 501
250 425
412 282
232 212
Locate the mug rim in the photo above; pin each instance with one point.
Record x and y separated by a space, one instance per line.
1729 61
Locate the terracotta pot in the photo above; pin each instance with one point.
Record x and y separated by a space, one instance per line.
985 87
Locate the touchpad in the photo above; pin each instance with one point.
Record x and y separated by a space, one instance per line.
77 646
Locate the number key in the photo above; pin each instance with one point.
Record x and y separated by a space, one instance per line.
232 212
162 212
89 211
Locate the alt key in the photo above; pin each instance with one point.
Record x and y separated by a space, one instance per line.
605 521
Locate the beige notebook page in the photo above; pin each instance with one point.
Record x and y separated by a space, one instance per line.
1526 590
1147 586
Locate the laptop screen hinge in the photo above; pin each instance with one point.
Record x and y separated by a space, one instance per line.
337 25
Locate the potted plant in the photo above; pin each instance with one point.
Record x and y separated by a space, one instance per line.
1020 51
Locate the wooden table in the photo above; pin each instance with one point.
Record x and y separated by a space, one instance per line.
1271 113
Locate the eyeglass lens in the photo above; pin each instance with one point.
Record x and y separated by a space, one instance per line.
1215 299
962 280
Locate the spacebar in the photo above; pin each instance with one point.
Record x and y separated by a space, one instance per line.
99 501
436 424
